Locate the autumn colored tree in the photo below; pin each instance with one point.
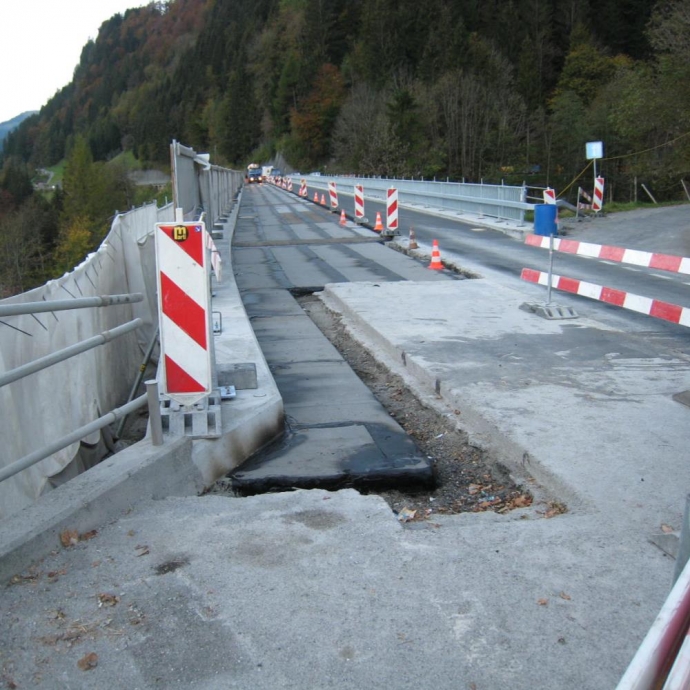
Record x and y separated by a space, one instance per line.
313 123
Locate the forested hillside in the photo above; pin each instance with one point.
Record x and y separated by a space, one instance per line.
497 89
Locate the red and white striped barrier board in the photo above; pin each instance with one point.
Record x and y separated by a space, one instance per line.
303 189
333 194
359 201
598 200
619 298
662 262
289 184
216 261
581 193
549 196
392 209
183 309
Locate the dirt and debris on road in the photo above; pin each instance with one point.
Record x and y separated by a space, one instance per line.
466 482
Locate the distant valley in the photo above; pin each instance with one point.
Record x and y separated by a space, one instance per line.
7 127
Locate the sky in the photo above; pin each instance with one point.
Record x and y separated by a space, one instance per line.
40 47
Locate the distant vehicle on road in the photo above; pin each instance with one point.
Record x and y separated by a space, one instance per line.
253 173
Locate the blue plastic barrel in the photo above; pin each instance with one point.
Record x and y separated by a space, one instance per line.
545 216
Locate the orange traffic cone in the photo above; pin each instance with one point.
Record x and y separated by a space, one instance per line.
379 225
323 200
413 240
316 197
343 218
435 264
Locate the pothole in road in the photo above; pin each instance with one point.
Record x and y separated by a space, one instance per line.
466 481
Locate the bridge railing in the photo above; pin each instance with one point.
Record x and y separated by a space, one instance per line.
503 202
50 397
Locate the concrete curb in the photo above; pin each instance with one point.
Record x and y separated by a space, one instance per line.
138 473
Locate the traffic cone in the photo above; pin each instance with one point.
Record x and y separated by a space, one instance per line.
323 200
316 197
412 244
379 225
435 264
343 218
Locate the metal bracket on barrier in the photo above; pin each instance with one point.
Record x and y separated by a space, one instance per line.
552 312
200 420
217 320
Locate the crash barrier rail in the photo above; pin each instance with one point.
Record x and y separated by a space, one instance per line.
64 354
199 185
627 300
503 202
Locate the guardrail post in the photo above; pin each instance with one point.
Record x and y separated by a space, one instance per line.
154 412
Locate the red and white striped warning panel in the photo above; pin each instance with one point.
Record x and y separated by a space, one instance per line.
619 298
549 196
216 262
662 262
333 194
303 188
581 193
392 209
183 311
289 184
359 201
598 200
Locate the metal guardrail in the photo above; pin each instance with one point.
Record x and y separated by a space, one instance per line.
37 365
503 202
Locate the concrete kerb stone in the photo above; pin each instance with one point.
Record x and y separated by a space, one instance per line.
255 417
140 472
180 467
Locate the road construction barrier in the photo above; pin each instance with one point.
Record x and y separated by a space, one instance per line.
663 262
333 195
598 200
183 304
392 210
435 264
655 308
303 189
359 202
549 196
663 658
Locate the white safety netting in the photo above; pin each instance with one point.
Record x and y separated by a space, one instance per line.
45 406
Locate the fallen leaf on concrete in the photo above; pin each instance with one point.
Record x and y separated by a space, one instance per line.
23 579
69 537
86 663
105 599
142 549
543 602
521 501
565 596
666 529
88 535
406 514
555 508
